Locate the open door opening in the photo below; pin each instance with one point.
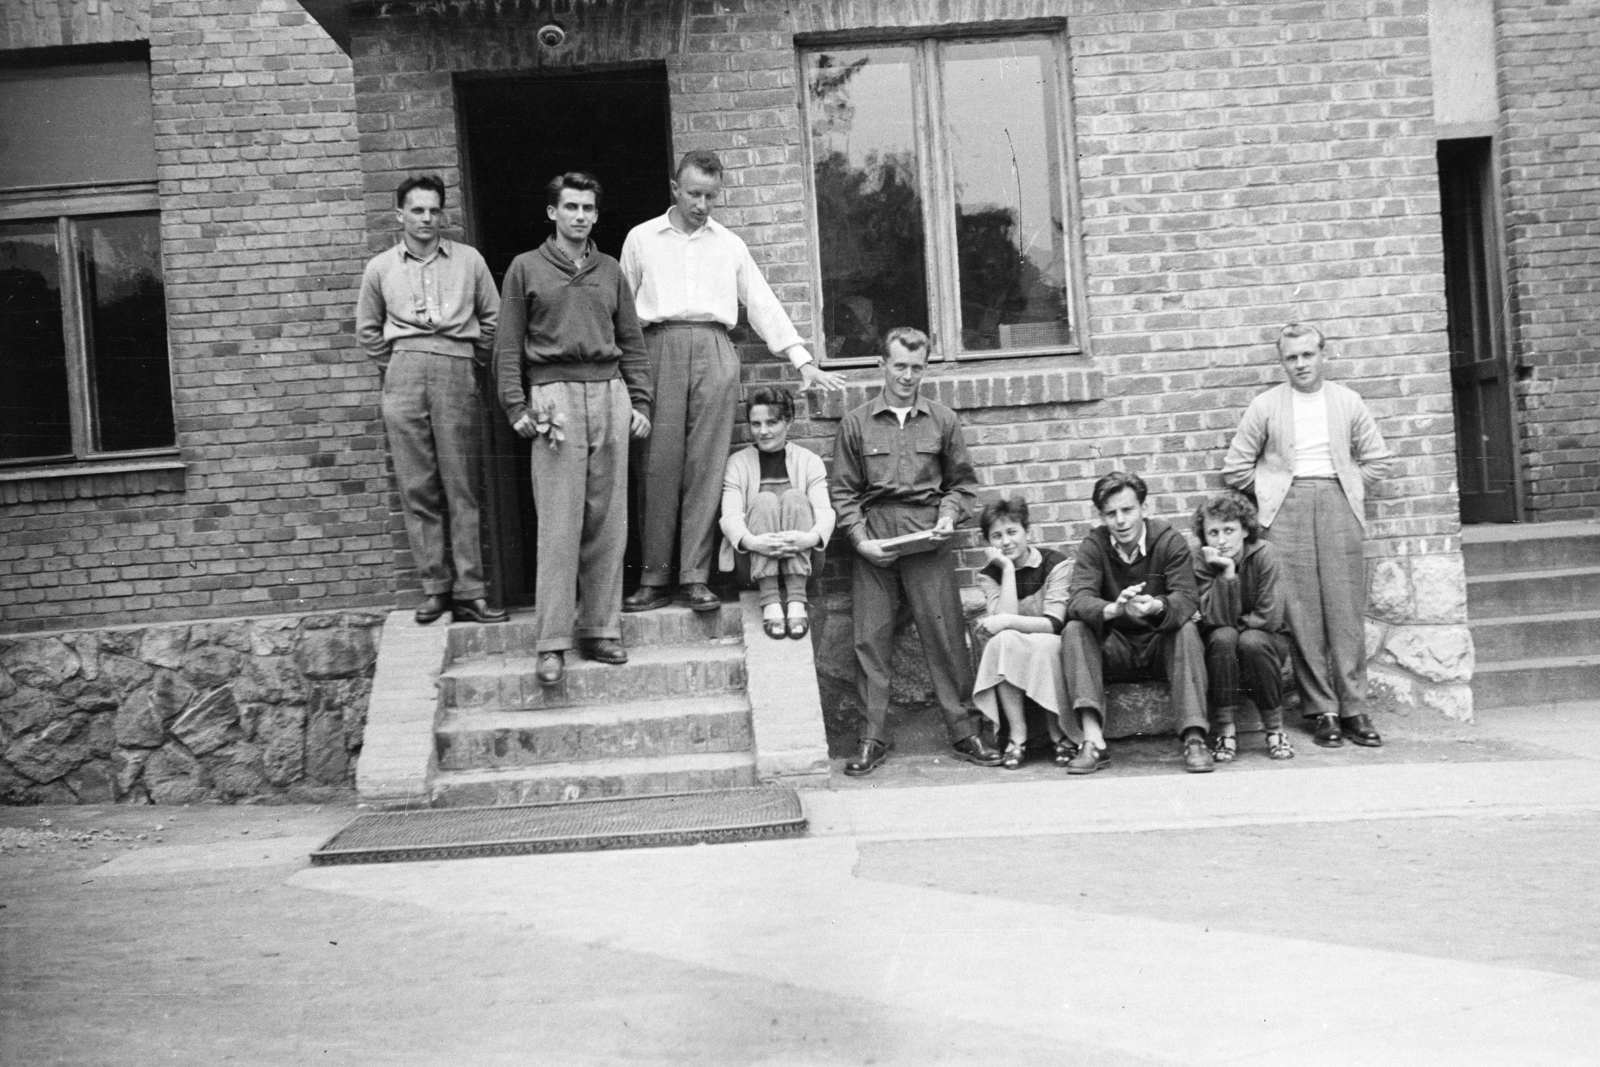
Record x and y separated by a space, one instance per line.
517 133
1480 374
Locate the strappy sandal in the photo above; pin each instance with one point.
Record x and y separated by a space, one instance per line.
1013 756
1224 748
776 629
1278 746
1065 750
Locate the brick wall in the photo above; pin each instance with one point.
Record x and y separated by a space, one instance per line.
1549 59
54 23
282 503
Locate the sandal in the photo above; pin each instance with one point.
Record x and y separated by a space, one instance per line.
1013 756
775 628
1065 750
1224 748
1278 746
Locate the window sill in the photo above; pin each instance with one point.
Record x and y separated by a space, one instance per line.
965 387
98 478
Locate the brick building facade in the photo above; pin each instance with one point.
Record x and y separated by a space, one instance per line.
1222 167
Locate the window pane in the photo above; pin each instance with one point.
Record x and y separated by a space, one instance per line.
70 125
127 312
1002 122
35 416
869 207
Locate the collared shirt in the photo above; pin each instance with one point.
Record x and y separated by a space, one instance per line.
445 303
703 277
1139 549
923 464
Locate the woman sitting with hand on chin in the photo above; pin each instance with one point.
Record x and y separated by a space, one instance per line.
1025 591
775 510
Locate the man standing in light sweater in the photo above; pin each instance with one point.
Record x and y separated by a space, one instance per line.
426 315
568 330
1309 450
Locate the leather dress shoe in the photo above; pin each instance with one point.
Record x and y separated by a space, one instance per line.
550 669
1089 758
1197 757
698 597
975 750
646 598
476 610
1327 733
603 650
430 609
1359 729
869 759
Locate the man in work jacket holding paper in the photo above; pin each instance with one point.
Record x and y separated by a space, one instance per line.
901 481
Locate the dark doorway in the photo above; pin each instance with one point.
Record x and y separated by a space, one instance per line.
516 134
1480 376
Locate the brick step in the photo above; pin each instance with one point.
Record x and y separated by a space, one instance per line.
586 779
485 739
665 626
1530 682
508 683
1535 592
1566 633
1525 547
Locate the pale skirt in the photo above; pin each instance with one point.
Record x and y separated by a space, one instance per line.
1031 662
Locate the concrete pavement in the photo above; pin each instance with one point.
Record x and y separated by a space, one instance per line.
1408 911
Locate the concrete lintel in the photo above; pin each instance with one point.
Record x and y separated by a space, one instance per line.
396 762
785 707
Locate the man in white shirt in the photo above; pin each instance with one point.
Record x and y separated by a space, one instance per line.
689 274
1309 450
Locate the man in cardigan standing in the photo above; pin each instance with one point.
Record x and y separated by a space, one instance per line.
1130 617
568 329
1309 450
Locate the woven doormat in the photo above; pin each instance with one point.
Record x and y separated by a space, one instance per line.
712 816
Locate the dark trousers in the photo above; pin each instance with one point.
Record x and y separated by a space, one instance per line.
430 410
1325 595
1177 658
696 373
926 581
1253 658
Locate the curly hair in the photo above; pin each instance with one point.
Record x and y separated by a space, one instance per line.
781 401
1227 506
1007 507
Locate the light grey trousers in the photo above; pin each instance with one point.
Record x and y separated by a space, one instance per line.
1325 595
580 494
430 410
696 372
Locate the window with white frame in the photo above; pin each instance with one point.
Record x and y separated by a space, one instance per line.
939 177
84 368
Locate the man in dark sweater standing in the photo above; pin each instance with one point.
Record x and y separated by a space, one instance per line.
568 330
1130 617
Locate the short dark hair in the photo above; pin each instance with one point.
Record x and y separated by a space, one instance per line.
1111 484
779 400
1007 507
701 159
909 338
1227 506
430 182
1300 329
582 181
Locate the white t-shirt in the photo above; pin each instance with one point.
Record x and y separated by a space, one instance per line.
1312 457
901 414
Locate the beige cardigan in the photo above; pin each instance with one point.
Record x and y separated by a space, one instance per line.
741 480
1262 453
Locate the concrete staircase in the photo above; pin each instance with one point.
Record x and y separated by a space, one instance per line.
1533 601
676 717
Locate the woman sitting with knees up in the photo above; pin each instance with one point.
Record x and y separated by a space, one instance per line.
775 512
1241 621
1025 592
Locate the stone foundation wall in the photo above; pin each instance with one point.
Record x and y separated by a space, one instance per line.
178 713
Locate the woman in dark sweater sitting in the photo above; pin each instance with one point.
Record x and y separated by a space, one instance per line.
1241 621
